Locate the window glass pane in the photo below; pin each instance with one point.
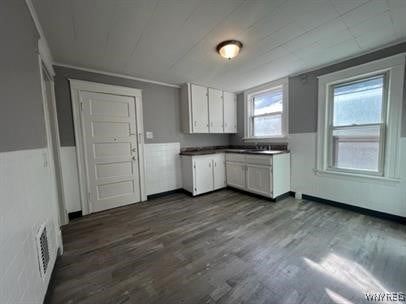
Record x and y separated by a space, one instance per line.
269 102
268 125
358 102
356 148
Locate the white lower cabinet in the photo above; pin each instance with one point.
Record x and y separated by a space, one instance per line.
259 179
235 174
267 175
203 173
219 171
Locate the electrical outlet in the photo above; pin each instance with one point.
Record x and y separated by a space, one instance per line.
149 135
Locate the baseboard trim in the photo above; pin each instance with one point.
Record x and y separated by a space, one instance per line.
161 194
276 199
365 211
75 214
283 196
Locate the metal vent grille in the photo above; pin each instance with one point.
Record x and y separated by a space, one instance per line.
43 250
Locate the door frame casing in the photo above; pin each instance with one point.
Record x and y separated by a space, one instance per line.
80 85
48 101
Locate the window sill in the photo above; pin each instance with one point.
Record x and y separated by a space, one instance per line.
357 177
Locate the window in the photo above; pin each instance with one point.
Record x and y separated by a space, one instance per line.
266 111
358 124
359 120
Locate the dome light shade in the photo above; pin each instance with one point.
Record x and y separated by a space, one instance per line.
229 49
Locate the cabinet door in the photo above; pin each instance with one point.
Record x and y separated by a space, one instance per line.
235 174
203 177
215 111
230 112
200 114
259 179
219 171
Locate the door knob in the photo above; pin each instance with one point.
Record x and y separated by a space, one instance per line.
133 158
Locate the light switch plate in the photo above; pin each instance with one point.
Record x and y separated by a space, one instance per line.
149 135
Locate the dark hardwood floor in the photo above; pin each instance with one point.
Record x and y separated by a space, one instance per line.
229 247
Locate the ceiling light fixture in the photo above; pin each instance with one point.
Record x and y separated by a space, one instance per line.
229 49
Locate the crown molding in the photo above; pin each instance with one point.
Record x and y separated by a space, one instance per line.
115 75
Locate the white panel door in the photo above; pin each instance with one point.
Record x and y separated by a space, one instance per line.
219 171
235 174
230 112
259 179
200 109
203 175
215 111
110 141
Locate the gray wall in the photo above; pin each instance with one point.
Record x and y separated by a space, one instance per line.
161 107
237 138
21 115
303 91
303 94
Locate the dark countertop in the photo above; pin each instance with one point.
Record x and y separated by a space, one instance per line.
240 151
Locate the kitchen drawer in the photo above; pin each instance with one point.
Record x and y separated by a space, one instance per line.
235 157
265 160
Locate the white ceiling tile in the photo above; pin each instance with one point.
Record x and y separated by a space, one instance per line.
57 22
396 4
333 29
129 22
190 28
274 70
311 14
174 40
380 38
398 13
338 51
364 12
92 22
344 6
373 25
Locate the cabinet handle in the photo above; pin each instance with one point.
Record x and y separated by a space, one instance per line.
215 164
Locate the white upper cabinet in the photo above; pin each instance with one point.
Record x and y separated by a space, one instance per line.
230 112
204 110
199 109
215 111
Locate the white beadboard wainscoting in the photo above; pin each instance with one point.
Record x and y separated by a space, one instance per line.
162 167
388 197
27 201
70 178
162 172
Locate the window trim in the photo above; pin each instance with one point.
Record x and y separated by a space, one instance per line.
381 124
393 67
248 121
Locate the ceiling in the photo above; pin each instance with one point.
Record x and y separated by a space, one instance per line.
174 40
